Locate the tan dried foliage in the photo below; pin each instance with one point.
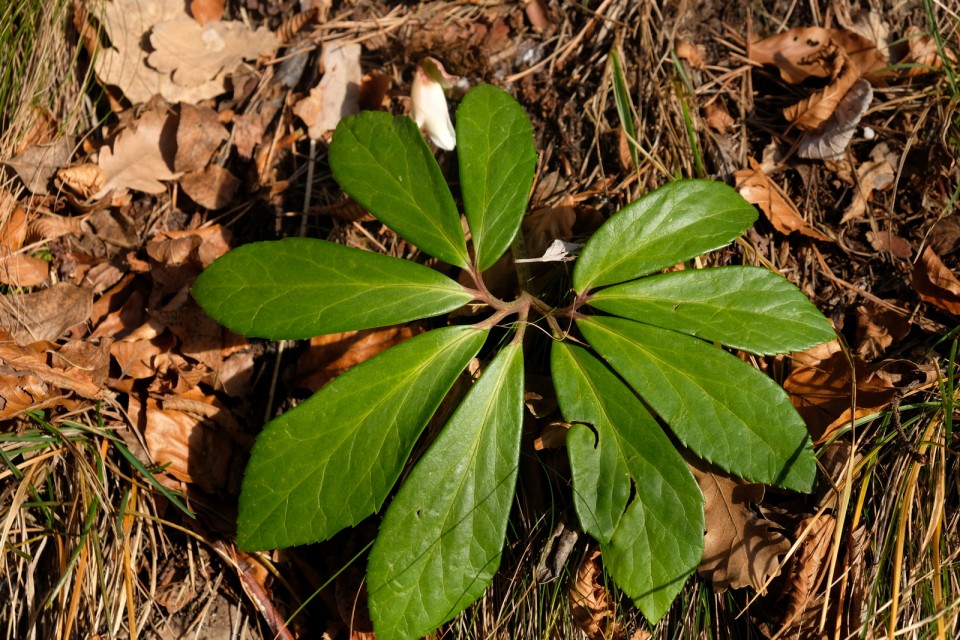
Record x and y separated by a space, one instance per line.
338 92
23 271
211 187
759 189
935 283
692 53
806 569
717 117
85 180
186 441
141 156
37 164
197 55
876 174
886 241
330 355
46 314
809 114
923 54
795 53
591 607
34 374
740 548
877 329
820 388
199 135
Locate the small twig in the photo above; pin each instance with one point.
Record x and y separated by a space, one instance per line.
905 442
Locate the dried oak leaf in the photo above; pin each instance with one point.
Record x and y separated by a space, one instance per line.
124 63
142 155
592 608
830 139
337 94
198 55
876 174
85 179
740 549
811 113
46 314
935 283
791 52
757 188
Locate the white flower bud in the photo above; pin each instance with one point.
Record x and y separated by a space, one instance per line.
430 104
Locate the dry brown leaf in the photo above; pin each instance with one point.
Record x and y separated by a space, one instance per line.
85 180
811 113
692 53
373 90
886 241
192 448
876 174
198 55
877 329
552 436
793 52
212 187
591 608
923 54
330 355
22 271
37 164
757 188
13 226
46 314
337 94
124 63
806 569
141 156
740 548
935 283
830 140
945 235
539 15
819 388
199 135
717 117
204 11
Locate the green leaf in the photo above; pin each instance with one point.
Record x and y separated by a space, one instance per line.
440 541
652 548
621 96
748 308
723 409
497 162
331 461
676 222
384 163
303 287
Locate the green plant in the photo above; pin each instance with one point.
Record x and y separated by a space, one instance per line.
333 460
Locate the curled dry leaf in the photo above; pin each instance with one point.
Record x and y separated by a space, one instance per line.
373 90
740 548
141 156
757 188
830 139
877 329
806 569
33 374
813 112
13 222
876 174
924 54
794 51
819 388
935 283
338 92
717 117
198 55
46 314
888 242
193 449
591 607
85 180
690 52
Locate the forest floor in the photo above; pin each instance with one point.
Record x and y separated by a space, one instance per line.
132 157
